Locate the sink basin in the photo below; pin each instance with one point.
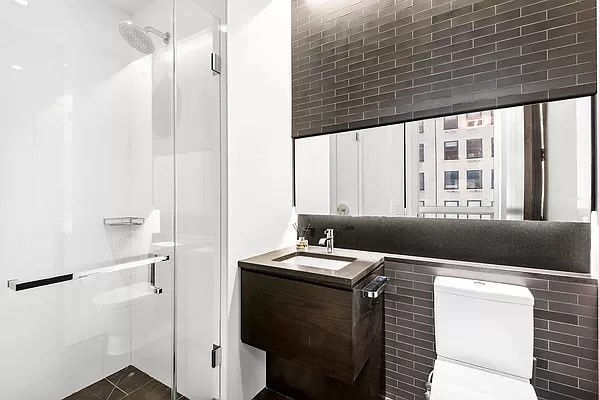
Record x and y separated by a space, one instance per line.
330 262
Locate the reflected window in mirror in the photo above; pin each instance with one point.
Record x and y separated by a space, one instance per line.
474 179
452 180
474 148
451 150
528 162
450 123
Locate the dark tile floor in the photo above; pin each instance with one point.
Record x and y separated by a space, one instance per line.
130 384
267 394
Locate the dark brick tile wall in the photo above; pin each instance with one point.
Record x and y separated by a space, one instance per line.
364 63
565 328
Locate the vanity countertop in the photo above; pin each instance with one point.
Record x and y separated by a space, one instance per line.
368 261
344 278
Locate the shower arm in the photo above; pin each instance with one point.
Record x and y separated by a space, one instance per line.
165 36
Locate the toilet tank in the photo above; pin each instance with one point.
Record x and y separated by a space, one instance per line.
486 324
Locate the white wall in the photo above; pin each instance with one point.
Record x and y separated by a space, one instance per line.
260 174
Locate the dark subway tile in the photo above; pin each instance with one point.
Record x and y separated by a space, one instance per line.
551 376
589 344
548 84
574 288
445 64
525 22
552 356
497 37
552 295
549 64
556 27
578 90
480 68
524 59
585 311
556 316
391 47
479 104
557 337
574 351
588 364
587 322
576 393
570 329
520 79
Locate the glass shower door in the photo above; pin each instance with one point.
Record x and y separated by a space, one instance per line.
198 199
109 187
81 206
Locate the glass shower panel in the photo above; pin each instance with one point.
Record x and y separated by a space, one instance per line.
87 181
198 200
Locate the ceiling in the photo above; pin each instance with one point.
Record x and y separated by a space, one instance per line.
129 6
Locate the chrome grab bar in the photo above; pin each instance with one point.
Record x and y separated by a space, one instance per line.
375 288
121 265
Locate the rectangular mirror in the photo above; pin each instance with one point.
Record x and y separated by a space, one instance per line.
531 162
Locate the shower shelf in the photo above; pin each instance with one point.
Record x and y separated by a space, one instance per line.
120 265
124 221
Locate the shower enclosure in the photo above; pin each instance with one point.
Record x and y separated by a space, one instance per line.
110 204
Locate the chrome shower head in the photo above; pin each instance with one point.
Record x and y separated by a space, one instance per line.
139 37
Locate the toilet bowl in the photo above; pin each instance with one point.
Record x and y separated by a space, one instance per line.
115 306
484 341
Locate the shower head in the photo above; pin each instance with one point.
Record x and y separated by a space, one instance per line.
139 37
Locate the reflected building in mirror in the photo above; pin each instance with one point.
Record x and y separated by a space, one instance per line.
456 166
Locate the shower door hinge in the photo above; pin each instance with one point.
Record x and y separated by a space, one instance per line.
217 355
216 63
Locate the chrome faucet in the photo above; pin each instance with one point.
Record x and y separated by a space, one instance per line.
328 241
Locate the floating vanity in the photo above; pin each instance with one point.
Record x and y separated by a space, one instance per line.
319 317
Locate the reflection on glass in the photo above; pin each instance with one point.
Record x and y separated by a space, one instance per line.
452 150
474 179
450 123
474 148
452 180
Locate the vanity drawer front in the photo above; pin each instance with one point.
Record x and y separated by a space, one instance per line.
302 322
322 328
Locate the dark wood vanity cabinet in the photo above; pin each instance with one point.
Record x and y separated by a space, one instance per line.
321 341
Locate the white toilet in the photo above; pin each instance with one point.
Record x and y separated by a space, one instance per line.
484 341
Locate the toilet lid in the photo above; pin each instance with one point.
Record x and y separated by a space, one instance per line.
453 381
